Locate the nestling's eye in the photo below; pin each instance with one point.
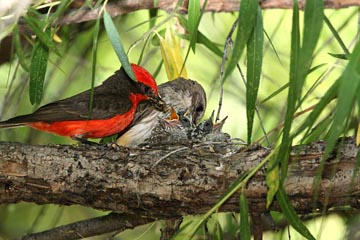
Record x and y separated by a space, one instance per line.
199 108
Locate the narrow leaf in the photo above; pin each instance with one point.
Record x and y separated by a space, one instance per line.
39 59
245 232
315 113
152 15
201 38
254 66
336 35
38 27
246 23
189 231
117 45
172 57
349 87
94 58
218 232
293 91
194 17
291 215
340 56
272 180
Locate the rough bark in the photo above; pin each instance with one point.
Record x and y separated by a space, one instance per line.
187 180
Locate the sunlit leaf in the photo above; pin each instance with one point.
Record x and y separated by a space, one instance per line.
201 38
194 15
172 57
329 95
189 232
39 59
218 232
299 67
117 45
336 35
272 181
246 23
339 56
245 232
254 66
291 215
349 87
293 90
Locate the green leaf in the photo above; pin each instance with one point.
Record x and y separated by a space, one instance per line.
38 27
336 35
330 94
299 68
94 58
339 56
201 38
254 66
152 15
189 232
246 23
117 45
39 59
218 232
317 131
275 93
272 180
293 91
245 233
291 215
349 87
193 23
313 21
60 9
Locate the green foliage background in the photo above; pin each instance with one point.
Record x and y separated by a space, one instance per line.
69 72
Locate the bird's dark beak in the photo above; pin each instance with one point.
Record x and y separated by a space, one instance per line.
159 104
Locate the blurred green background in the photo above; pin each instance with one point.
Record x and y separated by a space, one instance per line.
71 74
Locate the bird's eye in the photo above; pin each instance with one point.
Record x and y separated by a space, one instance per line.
147 90
199 108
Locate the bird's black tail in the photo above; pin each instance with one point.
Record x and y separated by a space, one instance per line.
11 123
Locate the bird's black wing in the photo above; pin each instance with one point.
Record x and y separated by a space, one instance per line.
111 98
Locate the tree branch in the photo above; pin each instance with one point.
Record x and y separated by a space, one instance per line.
91 227
127 180
120 7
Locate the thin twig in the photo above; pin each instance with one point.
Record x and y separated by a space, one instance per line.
91 227
227 42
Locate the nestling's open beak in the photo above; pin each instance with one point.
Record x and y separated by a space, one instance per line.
159 104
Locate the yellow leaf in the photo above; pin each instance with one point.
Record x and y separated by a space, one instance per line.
56 38
171 54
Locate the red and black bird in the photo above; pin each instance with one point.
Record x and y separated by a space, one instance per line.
113 109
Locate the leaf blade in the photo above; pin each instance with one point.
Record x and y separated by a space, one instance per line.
39 59
194 17
117 45
253 73
247 19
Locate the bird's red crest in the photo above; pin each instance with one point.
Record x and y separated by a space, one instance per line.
143 76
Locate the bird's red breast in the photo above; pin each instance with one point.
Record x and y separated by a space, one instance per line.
92 128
